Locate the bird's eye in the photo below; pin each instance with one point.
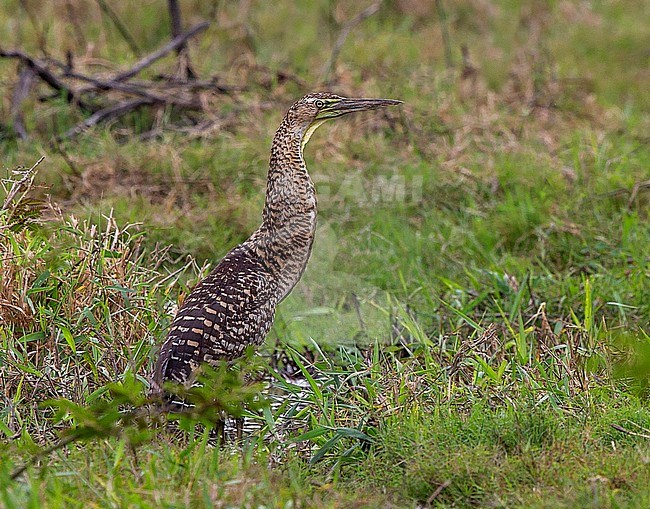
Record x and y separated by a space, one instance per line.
319 104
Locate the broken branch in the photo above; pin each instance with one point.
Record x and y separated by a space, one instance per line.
343 35
103 115
175 43
25 83
43 72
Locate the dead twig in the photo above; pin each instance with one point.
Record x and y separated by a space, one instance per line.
48 77
211 84
71 164
121 27
437 492
635 192
628 432
17 185
181 93
185 68
33 19
444 29
343 35
43 454
143 86
132 89
25 83
279 75
33 67
103 115
172 45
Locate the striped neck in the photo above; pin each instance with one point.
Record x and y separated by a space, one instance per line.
289 190
284 240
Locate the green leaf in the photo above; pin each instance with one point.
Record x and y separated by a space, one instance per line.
67 335
325 448
312 383
311 434
34 336
353 433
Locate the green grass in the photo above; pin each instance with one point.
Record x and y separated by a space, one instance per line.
477 302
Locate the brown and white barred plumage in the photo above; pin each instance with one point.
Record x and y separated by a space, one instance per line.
234 306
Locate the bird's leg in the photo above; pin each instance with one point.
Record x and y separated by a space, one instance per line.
239 428
220 431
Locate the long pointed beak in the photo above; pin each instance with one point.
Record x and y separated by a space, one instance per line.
346 106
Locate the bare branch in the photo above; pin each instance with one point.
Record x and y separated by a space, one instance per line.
23 87
185 68
103 115
175 18
175 43
629 432
437 492
180 93
43 454
211 84
43 72
444 28
120 27
343 35
129 88
635 191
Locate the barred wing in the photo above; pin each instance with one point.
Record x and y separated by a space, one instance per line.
232 308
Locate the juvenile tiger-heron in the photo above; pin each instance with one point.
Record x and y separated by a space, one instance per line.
234 306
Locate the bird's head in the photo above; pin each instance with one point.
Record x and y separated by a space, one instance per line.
307 114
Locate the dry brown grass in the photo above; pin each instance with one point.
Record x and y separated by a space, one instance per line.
77 305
